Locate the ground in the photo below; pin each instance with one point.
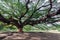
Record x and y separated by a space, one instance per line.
29 36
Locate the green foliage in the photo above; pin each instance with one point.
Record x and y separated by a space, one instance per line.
5 27
27 28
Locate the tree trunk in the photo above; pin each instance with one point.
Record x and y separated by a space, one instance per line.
20 30
20 27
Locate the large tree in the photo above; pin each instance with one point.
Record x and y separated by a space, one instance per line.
28 12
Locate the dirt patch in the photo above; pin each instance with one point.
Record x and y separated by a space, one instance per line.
29 36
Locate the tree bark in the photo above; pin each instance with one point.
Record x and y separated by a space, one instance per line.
19 26
20 30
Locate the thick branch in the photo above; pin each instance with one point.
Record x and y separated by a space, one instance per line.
4 19
11 21
26 9
50 6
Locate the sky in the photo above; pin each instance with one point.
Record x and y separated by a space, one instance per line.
58 1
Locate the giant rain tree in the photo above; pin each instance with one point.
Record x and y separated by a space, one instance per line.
28 12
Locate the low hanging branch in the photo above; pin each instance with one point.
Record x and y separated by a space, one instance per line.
8 21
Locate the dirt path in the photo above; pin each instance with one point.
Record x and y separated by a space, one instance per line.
29 36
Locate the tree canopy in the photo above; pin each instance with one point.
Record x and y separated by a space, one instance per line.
29 12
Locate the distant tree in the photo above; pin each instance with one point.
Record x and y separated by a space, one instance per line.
28 12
